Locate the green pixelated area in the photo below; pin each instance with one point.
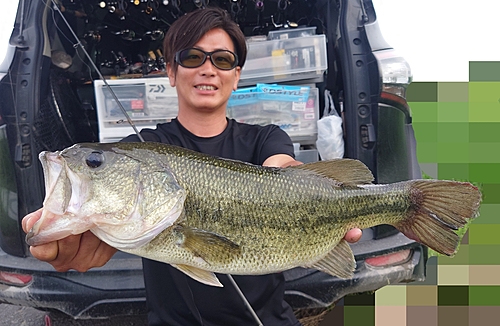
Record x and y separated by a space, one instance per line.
457 128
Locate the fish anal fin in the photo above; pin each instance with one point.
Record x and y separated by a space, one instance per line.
345 171
338 262
211 247
199 275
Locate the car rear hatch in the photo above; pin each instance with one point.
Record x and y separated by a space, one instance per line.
40 110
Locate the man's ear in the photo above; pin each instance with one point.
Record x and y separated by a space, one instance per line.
237 72
171 75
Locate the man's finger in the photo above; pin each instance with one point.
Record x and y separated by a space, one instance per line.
29 220
46 252
353 235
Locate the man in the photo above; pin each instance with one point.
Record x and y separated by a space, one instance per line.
205 51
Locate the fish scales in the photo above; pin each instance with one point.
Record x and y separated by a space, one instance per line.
204 214
235 212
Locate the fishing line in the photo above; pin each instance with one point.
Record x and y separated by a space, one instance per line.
61 33
131 123
79 44
247 304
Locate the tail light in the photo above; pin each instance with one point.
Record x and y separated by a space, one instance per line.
391 259
15 279
396 76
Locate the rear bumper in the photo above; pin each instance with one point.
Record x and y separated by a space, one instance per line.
118 287
113 290
309 288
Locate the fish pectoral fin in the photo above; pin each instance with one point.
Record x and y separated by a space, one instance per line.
347 172
200 275
211 247
338 262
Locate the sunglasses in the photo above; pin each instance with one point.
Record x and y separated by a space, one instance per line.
193 58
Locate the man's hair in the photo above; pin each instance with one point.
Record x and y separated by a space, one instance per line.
186 31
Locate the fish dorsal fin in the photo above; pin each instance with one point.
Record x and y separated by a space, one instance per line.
345 171
200 275
338 262
209 246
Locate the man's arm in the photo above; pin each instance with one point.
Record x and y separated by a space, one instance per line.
281 161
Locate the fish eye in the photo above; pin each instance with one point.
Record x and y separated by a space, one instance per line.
95 159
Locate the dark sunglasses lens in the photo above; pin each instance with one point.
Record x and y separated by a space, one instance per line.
191 58
224 60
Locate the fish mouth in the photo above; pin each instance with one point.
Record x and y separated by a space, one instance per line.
52 227
54 171
57 222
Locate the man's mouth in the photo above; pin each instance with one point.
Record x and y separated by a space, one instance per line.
206 87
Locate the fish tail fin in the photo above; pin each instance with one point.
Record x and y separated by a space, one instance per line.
438 209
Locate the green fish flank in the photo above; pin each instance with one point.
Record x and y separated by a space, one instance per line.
231 217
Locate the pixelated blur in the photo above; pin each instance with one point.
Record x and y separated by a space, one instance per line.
457 126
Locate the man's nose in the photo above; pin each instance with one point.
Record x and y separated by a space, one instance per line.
208 67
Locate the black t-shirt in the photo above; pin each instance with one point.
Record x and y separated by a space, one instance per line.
176 299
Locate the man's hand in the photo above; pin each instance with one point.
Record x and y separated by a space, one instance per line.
80 252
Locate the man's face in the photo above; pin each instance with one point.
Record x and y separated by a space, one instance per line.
207 87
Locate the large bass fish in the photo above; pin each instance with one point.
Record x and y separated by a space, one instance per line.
204 214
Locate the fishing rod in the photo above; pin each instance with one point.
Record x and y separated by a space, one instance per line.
131 123
79 44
